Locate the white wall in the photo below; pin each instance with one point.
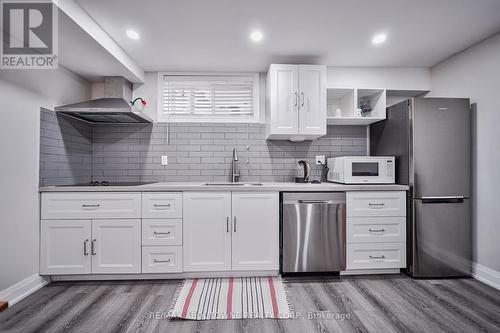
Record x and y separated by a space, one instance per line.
23 92
394 78
475 73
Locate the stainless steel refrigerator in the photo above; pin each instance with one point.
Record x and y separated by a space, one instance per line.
430 138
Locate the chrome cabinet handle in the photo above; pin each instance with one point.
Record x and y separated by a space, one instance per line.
227 224
85 250
296 99
376 204
377 257
161 233
90 205
376 230
303 99
156 260
92 247
234 224
161 205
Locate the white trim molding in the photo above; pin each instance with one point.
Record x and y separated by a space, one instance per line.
486 275
23 289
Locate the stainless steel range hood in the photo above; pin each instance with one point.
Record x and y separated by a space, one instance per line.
113 108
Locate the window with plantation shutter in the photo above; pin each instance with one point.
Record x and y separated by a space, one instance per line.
217 98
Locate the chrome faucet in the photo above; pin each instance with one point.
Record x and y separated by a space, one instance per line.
235 173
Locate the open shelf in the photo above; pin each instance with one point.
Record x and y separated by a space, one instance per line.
349 100
352 120
342 99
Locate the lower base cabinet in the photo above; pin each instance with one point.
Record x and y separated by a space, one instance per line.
65 247
226 231
116 246
376 230
161 259
90 247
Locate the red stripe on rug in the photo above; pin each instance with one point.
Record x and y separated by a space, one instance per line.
229 298
188 298
273 296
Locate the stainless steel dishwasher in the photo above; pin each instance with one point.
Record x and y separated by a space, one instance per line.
313 232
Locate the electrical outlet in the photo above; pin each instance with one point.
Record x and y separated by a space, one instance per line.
320 158
164 160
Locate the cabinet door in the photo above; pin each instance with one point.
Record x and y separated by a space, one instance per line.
116 246
207 231
255 241
312 101
65 247
283 99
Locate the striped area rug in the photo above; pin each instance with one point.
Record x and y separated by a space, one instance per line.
231 298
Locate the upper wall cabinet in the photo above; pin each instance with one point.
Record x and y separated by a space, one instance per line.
296 102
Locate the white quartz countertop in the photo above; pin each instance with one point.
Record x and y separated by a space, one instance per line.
198 186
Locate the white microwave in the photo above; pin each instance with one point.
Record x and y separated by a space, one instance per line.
361 169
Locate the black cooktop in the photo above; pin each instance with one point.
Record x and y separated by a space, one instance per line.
106 183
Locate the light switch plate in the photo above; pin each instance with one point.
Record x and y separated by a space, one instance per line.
164 160
320 158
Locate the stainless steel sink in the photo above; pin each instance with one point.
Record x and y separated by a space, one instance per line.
233 184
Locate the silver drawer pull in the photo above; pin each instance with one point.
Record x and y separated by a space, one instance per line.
161 205
376 230
90 205
156 260
376 204
377 257
161 233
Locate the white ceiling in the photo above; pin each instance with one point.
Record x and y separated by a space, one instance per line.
190 35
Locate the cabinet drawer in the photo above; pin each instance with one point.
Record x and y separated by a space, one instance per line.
376 255
162 205
376 229
161 259
386 203
161 232
90 205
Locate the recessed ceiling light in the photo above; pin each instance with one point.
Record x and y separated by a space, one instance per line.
256 36
379 39
132 34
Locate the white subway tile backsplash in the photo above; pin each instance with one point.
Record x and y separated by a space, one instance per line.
196 151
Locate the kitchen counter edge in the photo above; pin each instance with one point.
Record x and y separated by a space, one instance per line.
182 187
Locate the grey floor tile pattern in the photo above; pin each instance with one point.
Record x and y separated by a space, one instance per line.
393 303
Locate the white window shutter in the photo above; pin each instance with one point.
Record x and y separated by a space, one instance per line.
208 97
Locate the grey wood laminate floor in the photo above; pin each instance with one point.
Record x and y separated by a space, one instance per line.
393 303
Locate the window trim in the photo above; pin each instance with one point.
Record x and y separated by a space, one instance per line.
256 99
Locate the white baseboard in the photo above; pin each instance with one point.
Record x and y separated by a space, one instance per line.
370 271
23 289
486 275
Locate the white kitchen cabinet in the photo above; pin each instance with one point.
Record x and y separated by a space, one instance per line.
283 100
312 112
116 246
376 230
296 102
255 231
207 231
90 205
162 205
161 259
161 231
65 247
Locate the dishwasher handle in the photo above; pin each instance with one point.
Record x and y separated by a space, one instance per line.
316 201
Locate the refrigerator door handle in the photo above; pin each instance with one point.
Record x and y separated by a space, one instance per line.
448 199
